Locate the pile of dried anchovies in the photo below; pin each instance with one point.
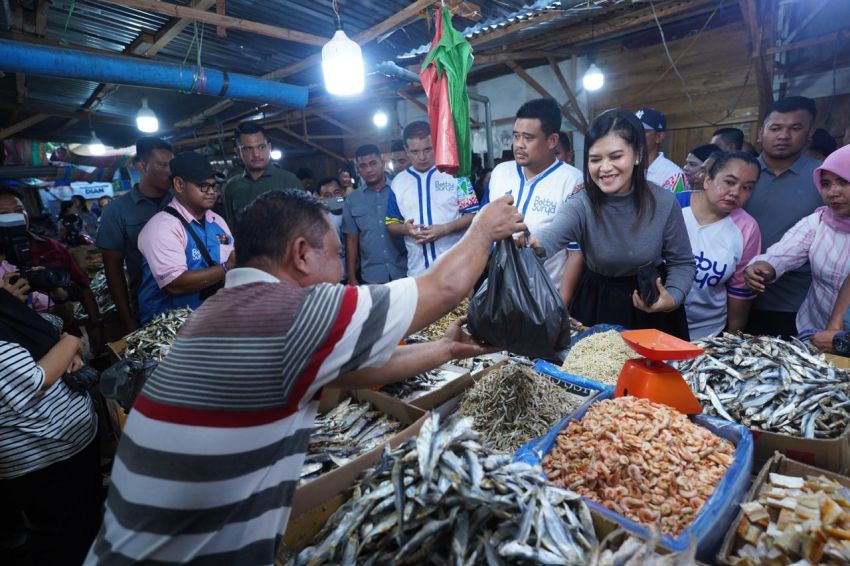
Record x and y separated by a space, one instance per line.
154 340
770 384
442 498
620 548
599 357
420 384
514 404
436 329
102 296
343 434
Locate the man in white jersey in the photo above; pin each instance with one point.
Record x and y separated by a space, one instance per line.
661 171
430 209
539 182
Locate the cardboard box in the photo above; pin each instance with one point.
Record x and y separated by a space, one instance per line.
117 349
312 501
777 464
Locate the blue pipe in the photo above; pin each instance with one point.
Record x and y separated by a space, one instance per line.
21 57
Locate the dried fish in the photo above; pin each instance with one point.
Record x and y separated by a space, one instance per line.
770 384
622 549
343 434
514 404
424 503
809 524
100 290
436 329
640 459
420 384
599 357
154 340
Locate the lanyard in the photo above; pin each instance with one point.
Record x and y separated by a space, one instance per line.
533 186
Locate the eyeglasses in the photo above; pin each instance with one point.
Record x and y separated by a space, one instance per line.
208 187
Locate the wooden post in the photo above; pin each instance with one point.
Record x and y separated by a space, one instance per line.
220 30
763 82
569 92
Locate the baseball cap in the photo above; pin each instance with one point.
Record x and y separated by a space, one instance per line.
652 119
192 167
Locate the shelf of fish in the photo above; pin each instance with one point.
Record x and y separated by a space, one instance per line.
445 498
430 388
644 465
794 513
155 339
791 396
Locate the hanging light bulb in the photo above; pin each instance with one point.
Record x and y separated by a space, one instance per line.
146 120
593 78
380 119
342 65
276 154
96 147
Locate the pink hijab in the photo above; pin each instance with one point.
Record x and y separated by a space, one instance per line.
838 162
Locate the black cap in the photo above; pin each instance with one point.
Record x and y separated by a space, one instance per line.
702 152
652 119
192 167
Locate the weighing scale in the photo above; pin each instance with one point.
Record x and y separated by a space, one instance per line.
650 378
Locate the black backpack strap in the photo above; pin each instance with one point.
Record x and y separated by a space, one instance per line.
201 247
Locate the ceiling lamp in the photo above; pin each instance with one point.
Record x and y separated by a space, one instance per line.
146 120
96 147
342 63
380 119
276 154
593 78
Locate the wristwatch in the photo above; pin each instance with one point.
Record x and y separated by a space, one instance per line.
841 343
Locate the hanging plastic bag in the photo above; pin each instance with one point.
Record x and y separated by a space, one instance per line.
518 308
435 82
123 380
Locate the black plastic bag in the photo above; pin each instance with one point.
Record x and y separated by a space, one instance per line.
123 380
518 307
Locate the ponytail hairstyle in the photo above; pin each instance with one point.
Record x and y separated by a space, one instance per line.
623 123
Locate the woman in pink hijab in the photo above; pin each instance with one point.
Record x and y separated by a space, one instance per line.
822 239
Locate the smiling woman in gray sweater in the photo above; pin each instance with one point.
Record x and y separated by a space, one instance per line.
622 222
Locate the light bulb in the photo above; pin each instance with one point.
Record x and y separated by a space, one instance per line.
276 154
380 119
342 65
146 120
593 78
96 147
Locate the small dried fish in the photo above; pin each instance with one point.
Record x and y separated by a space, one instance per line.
100 290
622 549
443 498
514 404
436 329
640 459
599 357
420 384
809 524
770 384
154 340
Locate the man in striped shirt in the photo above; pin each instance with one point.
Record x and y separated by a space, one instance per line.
212 451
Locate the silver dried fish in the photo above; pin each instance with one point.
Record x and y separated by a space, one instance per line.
154 340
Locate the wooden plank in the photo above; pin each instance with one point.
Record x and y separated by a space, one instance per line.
220 9
173 28
10 131
543 92
819 40
302 139
569 92
331 120
228 22
763 81
41 11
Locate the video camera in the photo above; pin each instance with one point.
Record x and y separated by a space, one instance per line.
15 245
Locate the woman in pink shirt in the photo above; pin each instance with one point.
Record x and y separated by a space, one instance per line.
822 239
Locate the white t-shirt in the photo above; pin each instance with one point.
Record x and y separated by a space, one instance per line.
666 174
722 251
429 198
538 198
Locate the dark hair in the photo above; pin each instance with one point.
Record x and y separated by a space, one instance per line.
704 151
416 130
11 192
396 145
367 149
792 104
719 159
564 140
81 200
65 207
327 181
145 146
544 109
304 173
823 142
247 129
733 136
625 124
265 227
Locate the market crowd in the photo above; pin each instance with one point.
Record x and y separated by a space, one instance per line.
316 283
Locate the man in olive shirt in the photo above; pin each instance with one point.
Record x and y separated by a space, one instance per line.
259 177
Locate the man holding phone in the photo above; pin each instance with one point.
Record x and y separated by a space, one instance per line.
372 254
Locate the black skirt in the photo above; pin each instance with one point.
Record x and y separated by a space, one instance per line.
608 300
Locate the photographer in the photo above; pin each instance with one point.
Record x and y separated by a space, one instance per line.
61 280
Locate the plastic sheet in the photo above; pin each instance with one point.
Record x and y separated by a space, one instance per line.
122 381
555 372
715 517
436 86
518 308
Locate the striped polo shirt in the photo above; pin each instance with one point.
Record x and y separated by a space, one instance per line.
211 453
38 428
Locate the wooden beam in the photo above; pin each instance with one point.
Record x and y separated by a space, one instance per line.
227 22
569 92
41 11
10 131
763 82
502 56
819 40
543 92
173 28
302 139
220 9
411 99
331 120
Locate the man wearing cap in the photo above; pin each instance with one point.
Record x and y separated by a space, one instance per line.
186 248
661 171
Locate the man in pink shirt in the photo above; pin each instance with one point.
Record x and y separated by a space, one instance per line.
186 248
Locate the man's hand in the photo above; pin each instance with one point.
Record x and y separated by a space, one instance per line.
231 260
430 233
665 302
823 340
19 289
461 344
411 229
758 275
499 219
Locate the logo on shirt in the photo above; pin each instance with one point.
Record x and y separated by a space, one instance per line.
445 186
544 205
223 239
708 272
196 254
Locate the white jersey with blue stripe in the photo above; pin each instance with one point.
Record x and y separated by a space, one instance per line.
538 199
428 198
